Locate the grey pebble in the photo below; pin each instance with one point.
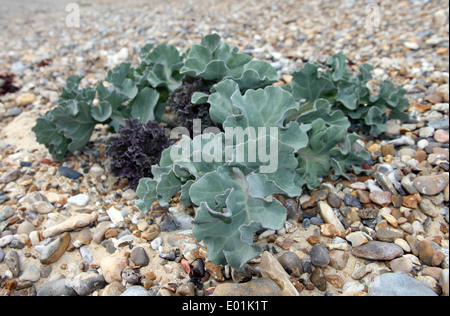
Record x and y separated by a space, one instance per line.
139 257
136 291
320 256
12 260
69 173
86 283
398 284
56 288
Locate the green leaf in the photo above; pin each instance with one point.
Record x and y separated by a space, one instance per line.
229 236
214 60
308 84
76 127
102 112
220 100
48 134
143 106
119 78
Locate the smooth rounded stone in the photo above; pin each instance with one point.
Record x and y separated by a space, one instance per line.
78 221
116 216
441 136
4 198
6 213
136 290
31 273
129 195
100 230
403 264
289 260
86 283
139 257
10 176
80 200
256 287
378 250
43 207
389 234
403 244
432 184
52 249
12 260
334 200
26 228
6 240
328 215
25 99
112 268
320 256
69 173
381 198
426 132
272 269
186 289
2 255
56 288
426 252
398 284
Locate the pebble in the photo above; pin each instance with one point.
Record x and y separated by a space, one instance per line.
112 268
381 198
6 213
432 184
56 288
328 215
116 216
256 287
402 265
69 173
318 279
25 99
272 269
6 240
86 283
139 257
320 256
80 200
398 284
52 249
70 224
86 254
12 260
441 136
136 290
290 261
31 273
338 259
10 176
378 250
357 239
353 201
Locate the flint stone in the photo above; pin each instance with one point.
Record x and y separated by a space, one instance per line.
398 284
378 250
72 223
432 184
56 288
86 283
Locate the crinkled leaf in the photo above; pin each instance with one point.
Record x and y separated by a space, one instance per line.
230 238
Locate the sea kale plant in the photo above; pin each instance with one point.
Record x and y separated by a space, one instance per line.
260 139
